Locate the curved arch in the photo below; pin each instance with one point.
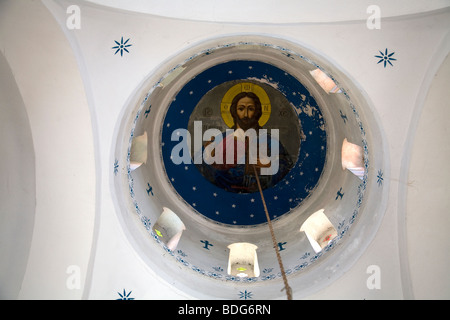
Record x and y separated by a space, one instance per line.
441 53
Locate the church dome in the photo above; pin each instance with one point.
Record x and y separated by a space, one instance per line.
191 214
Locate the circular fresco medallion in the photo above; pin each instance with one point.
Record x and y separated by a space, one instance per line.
245 113
237 121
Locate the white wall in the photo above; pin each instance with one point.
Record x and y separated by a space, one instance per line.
17 185
428 185
50 86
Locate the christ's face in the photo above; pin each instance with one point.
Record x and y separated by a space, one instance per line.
245 110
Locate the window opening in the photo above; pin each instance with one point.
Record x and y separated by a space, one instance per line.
353 158
324 81
319 230
138 152
169 228
243 260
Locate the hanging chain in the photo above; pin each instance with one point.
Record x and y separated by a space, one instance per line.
275 243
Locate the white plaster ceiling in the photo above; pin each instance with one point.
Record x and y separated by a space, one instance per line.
269 11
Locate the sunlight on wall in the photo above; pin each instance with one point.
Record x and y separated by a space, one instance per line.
325 82
319 230
353 158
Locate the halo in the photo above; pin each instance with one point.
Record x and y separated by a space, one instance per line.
245 87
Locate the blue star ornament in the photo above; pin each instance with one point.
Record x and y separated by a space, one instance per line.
245 295
380 177
122 46
385 57
125 295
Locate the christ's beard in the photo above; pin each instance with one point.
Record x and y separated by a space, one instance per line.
247 123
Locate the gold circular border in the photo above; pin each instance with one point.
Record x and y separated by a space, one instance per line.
245 87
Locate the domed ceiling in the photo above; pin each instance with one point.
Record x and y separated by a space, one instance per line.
228 193
217 120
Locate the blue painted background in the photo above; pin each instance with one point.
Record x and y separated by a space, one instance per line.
246 209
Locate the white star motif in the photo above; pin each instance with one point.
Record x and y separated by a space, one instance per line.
230 72
233 205
194 204
275 198
194 188
186 167
252 215
215 194
217 212
181 111
252 200
191 92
